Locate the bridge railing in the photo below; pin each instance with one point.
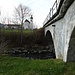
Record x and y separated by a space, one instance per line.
53 10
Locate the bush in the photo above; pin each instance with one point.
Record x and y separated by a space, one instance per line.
28 37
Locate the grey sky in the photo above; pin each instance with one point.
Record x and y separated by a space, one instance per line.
40 8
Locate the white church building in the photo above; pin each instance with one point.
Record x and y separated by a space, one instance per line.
28 24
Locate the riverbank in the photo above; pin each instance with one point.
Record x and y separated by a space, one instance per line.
21 66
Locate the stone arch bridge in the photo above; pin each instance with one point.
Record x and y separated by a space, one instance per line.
60 23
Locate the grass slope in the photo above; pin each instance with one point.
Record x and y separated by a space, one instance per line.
21 66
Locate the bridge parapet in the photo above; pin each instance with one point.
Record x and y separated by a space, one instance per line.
53 10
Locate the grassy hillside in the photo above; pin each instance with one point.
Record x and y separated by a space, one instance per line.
27 37
21 66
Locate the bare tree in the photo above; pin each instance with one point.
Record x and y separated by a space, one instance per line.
3 20
20 14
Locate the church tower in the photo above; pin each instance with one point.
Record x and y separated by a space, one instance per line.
31 22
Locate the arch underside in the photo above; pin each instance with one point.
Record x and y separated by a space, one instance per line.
49 38
71 49
49 42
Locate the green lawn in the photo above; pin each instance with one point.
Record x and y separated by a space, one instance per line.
15 31
21 66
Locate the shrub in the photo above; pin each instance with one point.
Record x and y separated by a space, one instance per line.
29 38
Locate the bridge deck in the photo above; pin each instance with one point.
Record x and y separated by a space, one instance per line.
61 10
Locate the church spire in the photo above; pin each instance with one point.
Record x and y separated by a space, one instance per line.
31 18
31 22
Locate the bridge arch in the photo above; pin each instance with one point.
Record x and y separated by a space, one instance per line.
50 42
49 37
71 48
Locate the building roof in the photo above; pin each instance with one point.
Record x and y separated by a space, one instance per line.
1 25
27 21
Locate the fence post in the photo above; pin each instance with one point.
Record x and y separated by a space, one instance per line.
50 13
56 5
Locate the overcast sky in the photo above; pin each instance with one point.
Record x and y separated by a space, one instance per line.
40 8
